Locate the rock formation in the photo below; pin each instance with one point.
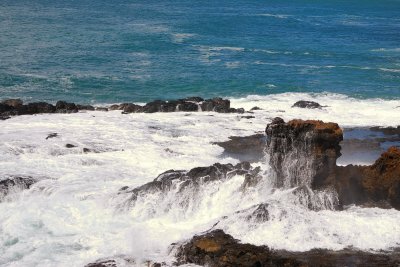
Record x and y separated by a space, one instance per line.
13 107
15 183
305 153
306 104
192 180
216 248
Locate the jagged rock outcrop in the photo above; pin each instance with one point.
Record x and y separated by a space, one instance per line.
190 104
305 153
217 248
179 180
15 183
13 107
375 185
306 104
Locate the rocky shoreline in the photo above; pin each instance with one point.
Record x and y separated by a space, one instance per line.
15 107
314 146
303 155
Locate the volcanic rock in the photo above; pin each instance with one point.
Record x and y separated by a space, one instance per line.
13 183
304 153
218 249
306 104
85 107
65 107
15 103
194 178
310 149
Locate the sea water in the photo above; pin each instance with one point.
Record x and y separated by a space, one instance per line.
117 51
343 54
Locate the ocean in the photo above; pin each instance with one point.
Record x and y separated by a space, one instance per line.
344 55
96 51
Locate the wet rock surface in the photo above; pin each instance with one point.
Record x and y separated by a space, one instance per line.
376 185
245 148
306 104
15 183
13 107
305 153
193 178
217 248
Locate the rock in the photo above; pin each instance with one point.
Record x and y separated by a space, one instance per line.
5 108
306 104
13 183
387 130
245 148
304 153
247 117
116 261
196 99
52 135
15 103
216 104
218 249
86 150
85 107
36 108
101 109
188 106
183 180
103 263
376 185
310 148
65 107
117 107
3 117
256 108
236 110
70 146
131 108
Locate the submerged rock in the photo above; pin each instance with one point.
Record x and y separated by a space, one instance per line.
306 104
15 183
217 248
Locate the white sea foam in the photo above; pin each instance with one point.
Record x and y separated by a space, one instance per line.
390 70
279 16
386 50
181 37
72 218
339 108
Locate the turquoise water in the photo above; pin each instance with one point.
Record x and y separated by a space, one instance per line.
113 51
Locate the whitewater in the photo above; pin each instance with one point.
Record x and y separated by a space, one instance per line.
74 214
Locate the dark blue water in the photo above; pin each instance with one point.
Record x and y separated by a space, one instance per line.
114 51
